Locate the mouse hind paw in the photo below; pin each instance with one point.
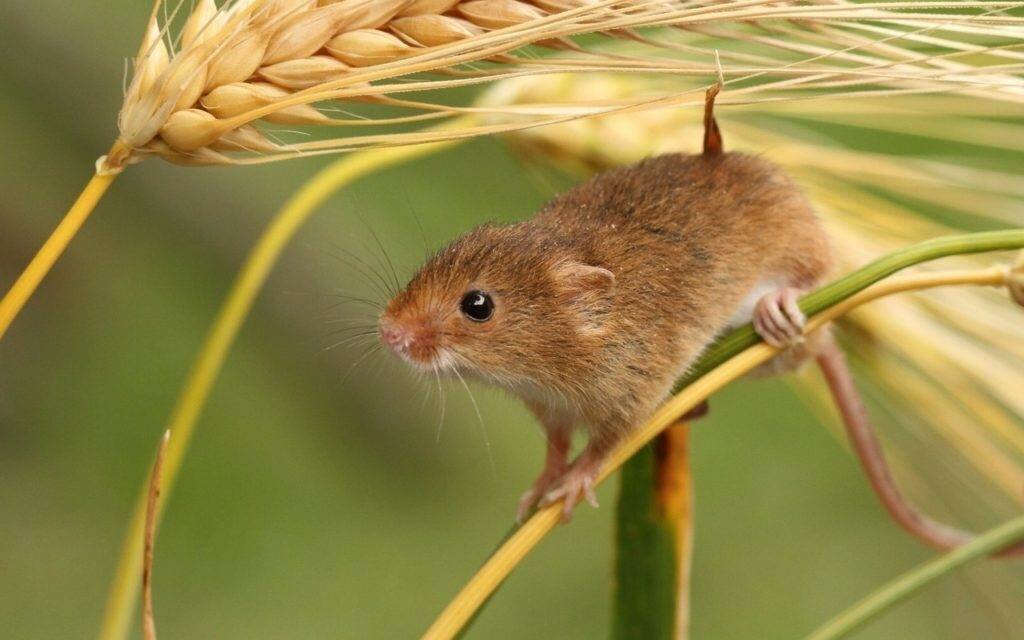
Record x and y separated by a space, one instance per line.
778 318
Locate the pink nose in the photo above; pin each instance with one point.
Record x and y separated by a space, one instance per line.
394 337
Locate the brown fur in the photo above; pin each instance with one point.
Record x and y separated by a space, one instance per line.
687 238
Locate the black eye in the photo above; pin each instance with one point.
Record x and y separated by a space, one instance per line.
477 306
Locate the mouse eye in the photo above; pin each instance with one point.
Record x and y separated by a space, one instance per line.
477 306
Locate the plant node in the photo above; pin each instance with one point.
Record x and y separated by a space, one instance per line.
119 156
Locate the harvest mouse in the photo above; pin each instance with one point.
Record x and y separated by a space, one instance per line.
592 309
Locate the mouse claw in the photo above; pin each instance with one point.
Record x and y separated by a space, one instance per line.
577 484
554 470
588 492
526 504
570 497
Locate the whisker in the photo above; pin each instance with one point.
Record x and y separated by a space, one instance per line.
419 225
387 258
351 331
366 277
425 387
378 266
368 322
381 265
349 323
440 392
376 306
349 339
365 324
368 271
480 420
364 356
352 341
350 296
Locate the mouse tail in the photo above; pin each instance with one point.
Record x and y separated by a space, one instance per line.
869 451
712 134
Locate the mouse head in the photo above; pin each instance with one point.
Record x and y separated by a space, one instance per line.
504 303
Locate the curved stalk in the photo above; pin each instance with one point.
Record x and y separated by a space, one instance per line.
125 585
913 581
733 357
14 300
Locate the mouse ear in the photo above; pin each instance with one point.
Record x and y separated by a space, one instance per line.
587 292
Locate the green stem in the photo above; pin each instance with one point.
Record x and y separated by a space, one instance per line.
862 278
653 541
910 583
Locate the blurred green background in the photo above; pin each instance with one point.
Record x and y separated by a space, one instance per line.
315 505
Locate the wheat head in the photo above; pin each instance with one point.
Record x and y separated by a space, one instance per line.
199 89
193 96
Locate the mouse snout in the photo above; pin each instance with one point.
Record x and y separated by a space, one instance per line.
394 336
412 339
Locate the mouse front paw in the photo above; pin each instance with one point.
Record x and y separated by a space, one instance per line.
554 468
778 318
577 484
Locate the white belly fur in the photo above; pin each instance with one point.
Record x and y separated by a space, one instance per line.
745 311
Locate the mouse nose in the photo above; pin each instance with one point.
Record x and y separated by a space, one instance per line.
412 338
394 336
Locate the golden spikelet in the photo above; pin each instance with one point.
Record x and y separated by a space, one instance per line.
196 94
